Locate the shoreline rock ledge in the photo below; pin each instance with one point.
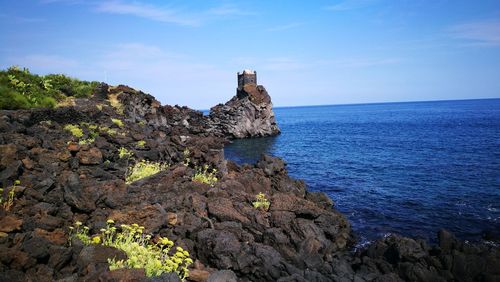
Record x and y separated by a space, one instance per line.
248 114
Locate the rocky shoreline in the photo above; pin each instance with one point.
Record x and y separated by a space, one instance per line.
300 237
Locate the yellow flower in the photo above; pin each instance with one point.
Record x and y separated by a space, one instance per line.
110 221
96 240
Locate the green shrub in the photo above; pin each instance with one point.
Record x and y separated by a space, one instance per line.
107 130
87 141
118 122
261 202
79 232
143 169
155 257
71 86
203 176
12 100
9 202
124 153
74 129
23 90
77 131
141 143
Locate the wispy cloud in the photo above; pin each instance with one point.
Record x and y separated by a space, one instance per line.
350 5
228 10
21 19
169 14
161 14
284 27
69 2
283 64
360 62
478 33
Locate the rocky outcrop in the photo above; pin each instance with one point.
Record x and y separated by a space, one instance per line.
248 114
396 258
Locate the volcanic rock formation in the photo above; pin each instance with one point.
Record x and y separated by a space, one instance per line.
248 114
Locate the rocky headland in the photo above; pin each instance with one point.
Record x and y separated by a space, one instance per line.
248 114
60 177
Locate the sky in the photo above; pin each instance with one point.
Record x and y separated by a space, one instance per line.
304 52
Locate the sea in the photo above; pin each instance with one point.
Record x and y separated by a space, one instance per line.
395 168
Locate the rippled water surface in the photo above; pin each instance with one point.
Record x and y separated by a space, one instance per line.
407 168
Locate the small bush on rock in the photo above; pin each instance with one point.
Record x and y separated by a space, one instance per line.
203 176
77 131
9 202
74 129
143 169
261 202
77 231
141 143
107 130
87 141
124 153
118 122
156 257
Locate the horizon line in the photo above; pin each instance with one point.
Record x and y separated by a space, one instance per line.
388 102
374 103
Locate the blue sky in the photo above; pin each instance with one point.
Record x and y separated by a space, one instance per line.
305 52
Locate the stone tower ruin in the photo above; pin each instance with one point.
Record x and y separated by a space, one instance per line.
247 77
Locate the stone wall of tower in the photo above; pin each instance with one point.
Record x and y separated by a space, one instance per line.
246 78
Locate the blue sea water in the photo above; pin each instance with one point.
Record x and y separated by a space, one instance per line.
406 168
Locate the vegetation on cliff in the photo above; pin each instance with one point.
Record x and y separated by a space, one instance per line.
155 255
21 89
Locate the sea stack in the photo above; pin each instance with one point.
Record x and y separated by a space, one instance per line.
249 113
